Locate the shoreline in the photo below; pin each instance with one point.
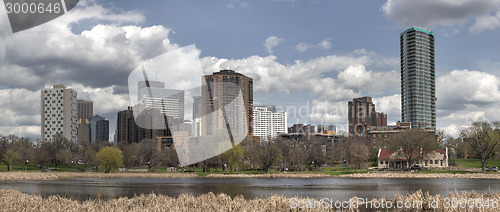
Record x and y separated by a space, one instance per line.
6 176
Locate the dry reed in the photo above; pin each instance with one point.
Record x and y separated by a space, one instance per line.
12 200
65 175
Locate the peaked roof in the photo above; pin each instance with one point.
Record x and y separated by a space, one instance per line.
384 154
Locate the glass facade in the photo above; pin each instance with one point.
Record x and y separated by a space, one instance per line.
418 81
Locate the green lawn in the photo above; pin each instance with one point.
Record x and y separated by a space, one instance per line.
475 163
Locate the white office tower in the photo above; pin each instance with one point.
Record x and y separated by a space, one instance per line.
154 95
268 125
59 113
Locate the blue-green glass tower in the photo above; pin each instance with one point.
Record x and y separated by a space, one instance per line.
418 81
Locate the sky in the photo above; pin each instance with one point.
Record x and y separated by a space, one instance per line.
308 57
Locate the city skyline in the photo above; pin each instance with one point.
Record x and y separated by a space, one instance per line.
320 62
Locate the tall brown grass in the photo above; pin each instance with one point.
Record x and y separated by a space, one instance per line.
12 200
64 175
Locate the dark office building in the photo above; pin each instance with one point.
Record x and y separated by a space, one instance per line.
85 109
128 131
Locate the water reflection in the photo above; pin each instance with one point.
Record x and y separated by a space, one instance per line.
333 188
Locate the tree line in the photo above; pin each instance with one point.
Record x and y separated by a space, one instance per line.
481 140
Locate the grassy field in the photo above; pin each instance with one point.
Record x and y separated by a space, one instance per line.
475 163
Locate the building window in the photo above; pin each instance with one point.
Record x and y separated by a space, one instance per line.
431 162
441 162
436 162
381 162
426 163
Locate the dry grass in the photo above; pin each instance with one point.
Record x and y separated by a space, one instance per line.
12 200
454 201
421 175
65 175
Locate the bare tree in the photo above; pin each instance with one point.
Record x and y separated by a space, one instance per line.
268 155
483 140
149 153
298 156
409 144
358 153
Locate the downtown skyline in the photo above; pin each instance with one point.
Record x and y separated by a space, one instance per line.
311 54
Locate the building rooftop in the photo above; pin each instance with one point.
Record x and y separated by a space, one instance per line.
227 72
419 29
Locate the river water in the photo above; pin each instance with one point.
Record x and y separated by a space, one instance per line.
333 188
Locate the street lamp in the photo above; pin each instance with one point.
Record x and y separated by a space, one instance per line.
27 165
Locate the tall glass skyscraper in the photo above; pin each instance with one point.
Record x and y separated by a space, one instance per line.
418 81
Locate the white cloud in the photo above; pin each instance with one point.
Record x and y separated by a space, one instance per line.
428 13
485 23
466 96
236 3
324 44
272 42
302 47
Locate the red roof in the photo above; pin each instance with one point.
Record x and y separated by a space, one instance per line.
384 154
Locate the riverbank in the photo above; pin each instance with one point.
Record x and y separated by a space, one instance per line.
12 200
67 175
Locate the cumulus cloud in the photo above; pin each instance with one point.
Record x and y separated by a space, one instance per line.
429 13
466 96
484 23
272 42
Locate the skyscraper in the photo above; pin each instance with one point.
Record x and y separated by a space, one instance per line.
362 114
169 101
99 129
128 128
83 131
59 113
418 81
85 109
222 88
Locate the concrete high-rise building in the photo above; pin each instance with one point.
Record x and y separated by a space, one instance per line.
418 79
267 125
169 101
99 129
85 109
59 113
222 89
362 114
